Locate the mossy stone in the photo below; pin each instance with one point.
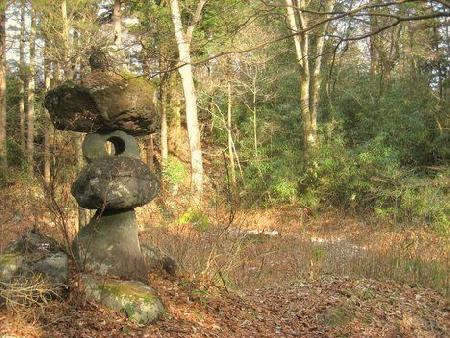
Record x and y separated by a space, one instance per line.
71 107
10 264
137 300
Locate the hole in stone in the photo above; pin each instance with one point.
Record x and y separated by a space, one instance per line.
115 146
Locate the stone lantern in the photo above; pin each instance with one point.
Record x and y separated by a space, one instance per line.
111 109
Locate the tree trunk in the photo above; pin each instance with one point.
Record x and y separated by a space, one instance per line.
22 76
316 78
373 46
309 81
83 215
3 151
30 100
164 142
230 140
68 66
296 23
255 139
172 105
190 99
117 23
164 129
48 125
149 152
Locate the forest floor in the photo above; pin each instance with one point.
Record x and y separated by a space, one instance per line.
325 307
329 275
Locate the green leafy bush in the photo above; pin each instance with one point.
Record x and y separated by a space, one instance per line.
196 217
175 171
370 178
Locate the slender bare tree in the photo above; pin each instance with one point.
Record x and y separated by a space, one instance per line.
117 23
184 39
118 39
23 79
48 128
229 134
30 95
3 154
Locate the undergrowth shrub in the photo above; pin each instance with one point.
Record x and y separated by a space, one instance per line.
370 178
272 176
196 217
174 172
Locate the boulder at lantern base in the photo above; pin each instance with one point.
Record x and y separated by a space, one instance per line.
137 300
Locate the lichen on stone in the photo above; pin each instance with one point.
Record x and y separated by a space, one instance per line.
10 263
137 300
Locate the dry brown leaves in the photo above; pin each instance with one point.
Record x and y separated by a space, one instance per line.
329 307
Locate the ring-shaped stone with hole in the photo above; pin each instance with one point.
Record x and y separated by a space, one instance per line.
94 145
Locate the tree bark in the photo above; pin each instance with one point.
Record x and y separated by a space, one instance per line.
3 151
48 126
296 23
309 81
230 139
118 41
22 76
255 138
164 141
30 100
173 104
149 152
183 43
117 23
83 215
316 79
68 66
164 129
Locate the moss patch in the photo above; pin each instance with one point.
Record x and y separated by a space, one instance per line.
10 258
135 299
127 290
9 265
338 316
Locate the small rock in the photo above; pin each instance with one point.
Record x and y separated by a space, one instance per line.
137 300
35 254
54 267
156 259
33 241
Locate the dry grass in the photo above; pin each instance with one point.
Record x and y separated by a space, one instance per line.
307 246
340 246
20 294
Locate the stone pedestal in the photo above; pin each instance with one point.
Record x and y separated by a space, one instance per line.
109 245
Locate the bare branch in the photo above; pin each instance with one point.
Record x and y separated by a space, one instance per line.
195 20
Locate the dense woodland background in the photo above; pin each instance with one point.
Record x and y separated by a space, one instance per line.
303 109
